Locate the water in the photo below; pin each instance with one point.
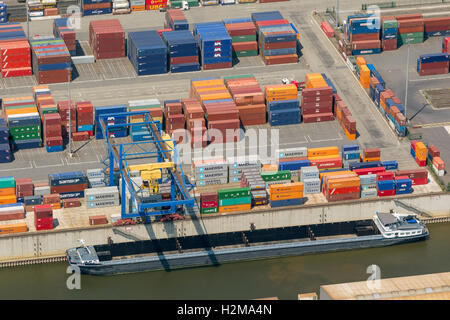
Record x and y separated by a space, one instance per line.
283 278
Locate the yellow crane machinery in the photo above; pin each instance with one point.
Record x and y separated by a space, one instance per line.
151 173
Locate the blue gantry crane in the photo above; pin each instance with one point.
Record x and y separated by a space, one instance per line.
165 150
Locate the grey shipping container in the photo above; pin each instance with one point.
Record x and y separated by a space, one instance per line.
40 191
208 182
292 153
95 173
369 193
102 204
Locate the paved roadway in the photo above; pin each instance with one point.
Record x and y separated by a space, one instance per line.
114 82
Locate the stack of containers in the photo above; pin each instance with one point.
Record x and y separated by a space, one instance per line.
434 157
24 188
173 116
220 109
120 6
107 39
249 99
364 34
309 176
7 190
434 63
3 12
243 37
195 122
43 217
282 104
276 177
5 148
438 26
14 51
63 29
410 29
68 184
53 132
417 176
397 120
287 194
176 20
101 197
386 184
142 132
252 179
44 100
12 211
50 66
63 110
293 158
371 155
117 132
210 172
364 76
368 185
215 45
41 188
85 117
54 200
293 165
317 99
235 199
403 185
24 122
350 154
209 202
157 4
389 31
420 153
236 166
384 97
209 2
147 52
96 178
31 201
183 51
325 158
137 5
94 7
339 186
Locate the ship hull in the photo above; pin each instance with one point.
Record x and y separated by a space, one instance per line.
211 257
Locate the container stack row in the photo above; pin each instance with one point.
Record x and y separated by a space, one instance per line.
107 39
288 194
195 122
210 172
249 99
50 66
432 64
44 100
345 119
14 51
153 107
68 113
434 157
389 32
101 197
277 39
3 12
147 52
350 154
243 37
235 199
116 132
53 139
173 116
209 202
419 153
63 29
176 20
325 158
183 51
5 147
410 29
95 7
317 99
85 117
69 184
283 105
364 34
215 45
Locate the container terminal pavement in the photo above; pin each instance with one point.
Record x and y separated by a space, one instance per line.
287 191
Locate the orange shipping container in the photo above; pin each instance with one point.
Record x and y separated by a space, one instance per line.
344 182
326 151
21 111
281 89
269 168
234 208
286 187
370 159
7 192
286 196
322 175
13 228
360 61
8 199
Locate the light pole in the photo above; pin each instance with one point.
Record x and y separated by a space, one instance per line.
69 73
28 21
407 79
337 13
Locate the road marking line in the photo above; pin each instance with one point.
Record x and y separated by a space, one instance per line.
448 129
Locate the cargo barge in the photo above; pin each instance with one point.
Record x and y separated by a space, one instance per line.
385 229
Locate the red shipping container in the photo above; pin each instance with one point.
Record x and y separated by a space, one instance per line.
432 150
306 111
387 175
317 91
53 141
344 196
16 72
80 136
344 190
319 117
209 204
326 28
367 44
71 203
318 104
364 37
327 163
421 163
366 171
386 193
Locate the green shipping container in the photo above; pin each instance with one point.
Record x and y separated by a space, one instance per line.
20 107
175 4
7 182
193 3
49 110
239 77
276 176
17 130
249 53
235 201
234 193
208 210
390 24
26 135
247 38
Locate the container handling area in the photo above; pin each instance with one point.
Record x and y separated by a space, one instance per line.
143 113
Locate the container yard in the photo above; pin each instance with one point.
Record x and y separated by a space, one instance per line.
176 126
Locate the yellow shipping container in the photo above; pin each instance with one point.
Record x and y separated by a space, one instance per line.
13 228
325 151
235 208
